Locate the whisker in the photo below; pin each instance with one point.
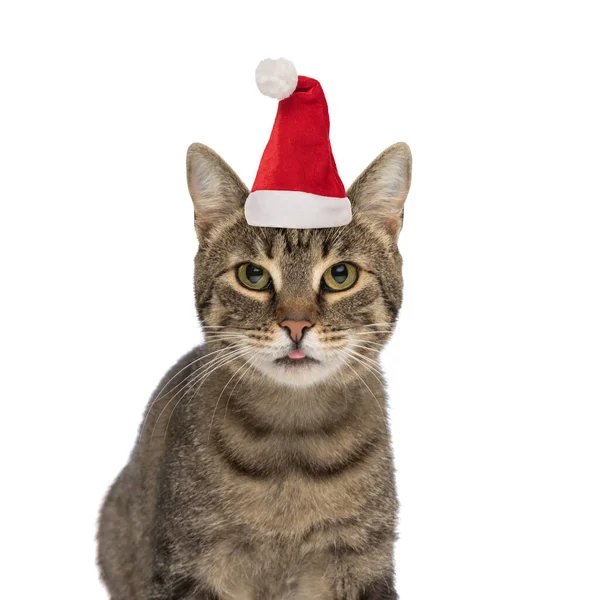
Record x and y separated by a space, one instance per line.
363 341
193 380
221 394
374 368
208 369
233 328
344 341
229 358
204 377
158 396
225 336
366 327
372 331
370 360
254 360
193 377
200 377
365 384
227 331
376 351
229 327
221 332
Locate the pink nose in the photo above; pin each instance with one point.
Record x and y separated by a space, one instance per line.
296 328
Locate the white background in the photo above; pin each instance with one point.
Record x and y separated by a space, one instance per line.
494 369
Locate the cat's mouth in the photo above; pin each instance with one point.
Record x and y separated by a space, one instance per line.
295 358
300 366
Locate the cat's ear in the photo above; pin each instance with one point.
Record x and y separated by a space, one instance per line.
217 192
379 193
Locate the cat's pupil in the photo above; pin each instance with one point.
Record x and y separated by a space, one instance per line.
254 273
339 273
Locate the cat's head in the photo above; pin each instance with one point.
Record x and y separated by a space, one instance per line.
266 297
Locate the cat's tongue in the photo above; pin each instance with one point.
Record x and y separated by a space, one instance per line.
296 354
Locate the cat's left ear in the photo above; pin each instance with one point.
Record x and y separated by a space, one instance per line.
217 192
379 193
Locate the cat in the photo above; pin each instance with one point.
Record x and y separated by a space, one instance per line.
263 467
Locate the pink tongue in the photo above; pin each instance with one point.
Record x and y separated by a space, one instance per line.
296 354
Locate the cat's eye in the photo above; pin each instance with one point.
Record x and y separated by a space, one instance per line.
340 277
253 277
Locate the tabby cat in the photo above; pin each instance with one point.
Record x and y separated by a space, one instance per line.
263 467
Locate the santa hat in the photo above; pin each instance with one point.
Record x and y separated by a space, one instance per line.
297 185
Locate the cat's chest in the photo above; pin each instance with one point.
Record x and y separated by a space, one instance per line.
282 519
276 537
288 486
267 570
292 506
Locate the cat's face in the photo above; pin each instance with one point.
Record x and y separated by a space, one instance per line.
298 305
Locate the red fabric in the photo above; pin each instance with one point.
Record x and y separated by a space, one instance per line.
298 155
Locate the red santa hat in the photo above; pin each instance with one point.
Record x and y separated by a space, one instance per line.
297 185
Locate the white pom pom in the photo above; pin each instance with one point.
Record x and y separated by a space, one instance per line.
276 78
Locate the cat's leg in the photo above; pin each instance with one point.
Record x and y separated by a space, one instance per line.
380 589
117 552
166 585
349 587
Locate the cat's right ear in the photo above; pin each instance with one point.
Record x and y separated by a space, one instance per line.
217 192
379 193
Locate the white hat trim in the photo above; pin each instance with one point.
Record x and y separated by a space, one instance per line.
296 210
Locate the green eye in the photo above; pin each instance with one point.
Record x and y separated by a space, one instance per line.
340 277
253 277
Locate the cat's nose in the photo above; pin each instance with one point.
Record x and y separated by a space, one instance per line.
296 328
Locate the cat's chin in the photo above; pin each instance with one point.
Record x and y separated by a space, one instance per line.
302 372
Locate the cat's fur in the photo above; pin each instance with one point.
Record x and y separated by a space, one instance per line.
254 481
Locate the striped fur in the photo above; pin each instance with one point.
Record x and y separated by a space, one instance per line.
254 481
